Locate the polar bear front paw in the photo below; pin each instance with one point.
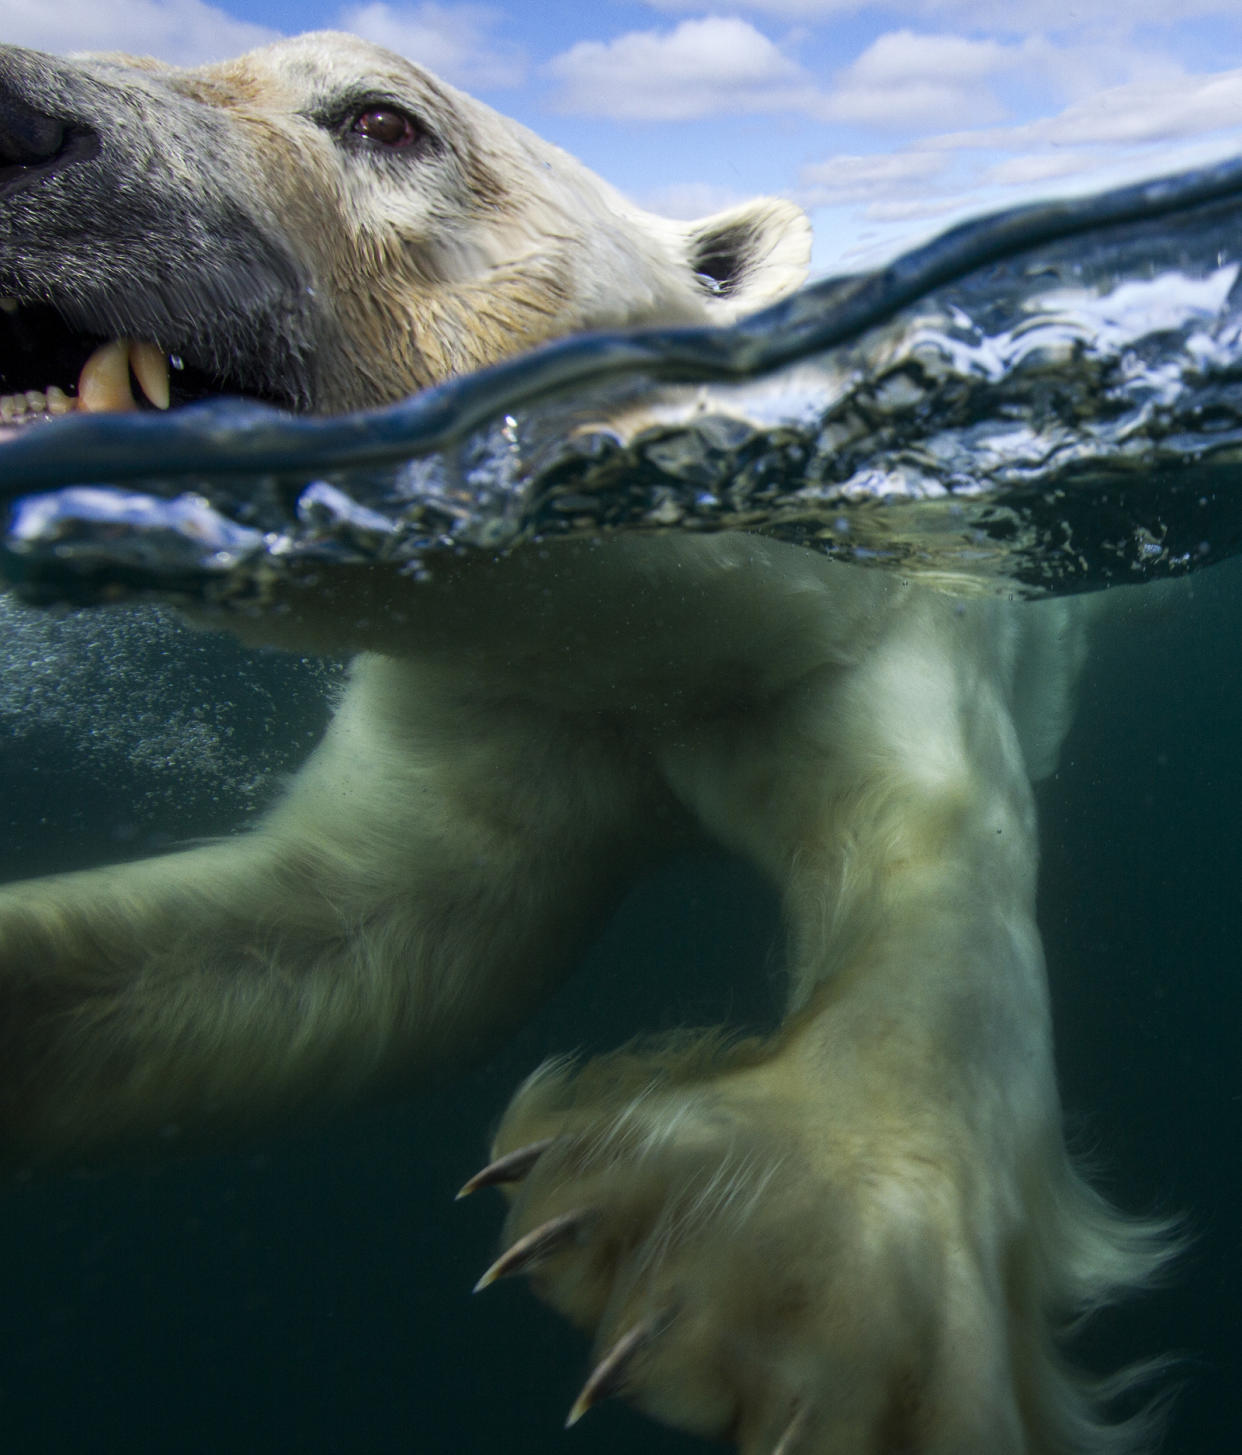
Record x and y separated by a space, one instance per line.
759 1257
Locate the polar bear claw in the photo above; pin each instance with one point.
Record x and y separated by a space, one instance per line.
755 1260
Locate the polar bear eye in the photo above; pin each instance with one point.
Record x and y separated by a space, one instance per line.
387 127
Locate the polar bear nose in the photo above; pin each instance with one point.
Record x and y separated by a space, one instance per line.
26 135
32 144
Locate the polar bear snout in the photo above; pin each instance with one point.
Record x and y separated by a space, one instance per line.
279 222
125 280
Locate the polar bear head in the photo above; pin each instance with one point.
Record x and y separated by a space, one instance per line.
325 225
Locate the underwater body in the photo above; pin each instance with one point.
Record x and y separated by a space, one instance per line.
309 1291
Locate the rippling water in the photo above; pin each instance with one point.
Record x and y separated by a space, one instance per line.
1043 401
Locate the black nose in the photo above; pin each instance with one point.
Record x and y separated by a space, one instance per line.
27 137
32 143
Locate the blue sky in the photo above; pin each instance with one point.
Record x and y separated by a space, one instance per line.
887 121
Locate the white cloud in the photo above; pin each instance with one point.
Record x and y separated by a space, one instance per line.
1120 135
184 32
454 41
1060 15
903 56
1038 167
788 9
906 78
690 200
700 68
1145 118
928 78
1082 65
843 179
722 66
1143 112
906 210
903 80
918 104
1010 17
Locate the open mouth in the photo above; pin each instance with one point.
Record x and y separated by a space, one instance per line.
48 369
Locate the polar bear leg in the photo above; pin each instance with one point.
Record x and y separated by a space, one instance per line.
422 884
863 1234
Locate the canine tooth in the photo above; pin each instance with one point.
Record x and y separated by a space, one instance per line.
58 402
103 384
150 368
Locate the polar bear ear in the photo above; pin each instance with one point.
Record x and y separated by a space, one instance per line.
749 256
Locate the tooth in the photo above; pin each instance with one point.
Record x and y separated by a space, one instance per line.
9 305
30 402
150 368
103 384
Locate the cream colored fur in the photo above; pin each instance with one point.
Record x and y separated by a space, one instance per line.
862 1237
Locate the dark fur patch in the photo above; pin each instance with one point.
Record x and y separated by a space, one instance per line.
723 256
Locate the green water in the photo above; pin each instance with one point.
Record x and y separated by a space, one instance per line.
309 1292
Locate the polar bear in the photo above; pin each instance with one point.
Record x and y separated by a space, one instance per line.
860 1234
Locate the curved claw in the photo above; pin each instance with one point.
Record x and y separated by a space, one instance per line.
538 1244
512 1167
793 1432
611 1374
